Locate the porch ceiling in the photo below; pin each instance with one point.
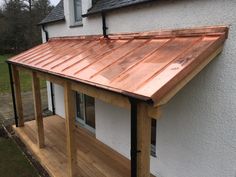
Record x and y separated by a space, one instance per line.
143 65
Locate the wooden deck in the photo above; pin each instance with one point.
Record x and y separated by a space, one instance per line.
94 159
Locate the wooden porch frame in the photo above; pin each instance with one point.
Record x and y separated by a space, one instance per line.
38 109
144 114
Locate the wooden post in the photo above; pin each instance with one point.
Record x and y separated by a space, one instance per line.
143 140
38 109
70 128
19 107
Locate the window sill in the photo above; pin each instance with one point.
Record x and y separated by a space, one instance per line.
78 24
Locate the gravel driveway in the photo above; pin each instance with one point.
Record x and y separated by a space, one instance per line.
6 108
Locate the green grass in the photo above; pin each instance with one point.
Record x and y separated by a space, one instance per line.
5 81
12 162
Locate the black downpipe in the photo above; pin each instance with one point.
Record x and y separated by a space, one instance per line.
46 33
13 94
51 86
104 26
134 138
52 98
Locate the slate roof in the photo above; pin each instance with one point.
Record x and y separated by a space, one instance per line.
57 14
107 5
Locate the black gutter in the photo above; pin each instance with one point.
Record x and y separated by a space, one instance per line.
104 26
134 137
53 21
13 94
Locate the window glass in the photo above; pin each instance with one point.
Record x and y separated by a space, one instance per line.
90 111
80 105
153 138
78 10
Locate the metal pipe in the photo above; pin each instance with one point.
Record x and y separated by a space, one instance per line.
51 86
46 33
52 98
134 137
13 94
104 27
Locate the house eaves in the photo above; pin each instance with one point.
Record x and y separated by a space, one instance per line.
109 5
56 15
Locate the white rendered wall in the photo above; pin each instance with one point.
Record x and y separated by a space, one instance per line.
197 131
59 100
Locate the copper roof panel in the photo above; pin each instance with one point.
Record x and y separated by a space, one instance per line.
143 65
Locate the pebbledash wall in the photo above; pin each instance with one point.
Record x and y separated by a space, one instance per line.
196 135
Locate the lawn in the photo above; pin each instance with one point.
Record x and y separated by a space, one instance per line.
12 162
4 77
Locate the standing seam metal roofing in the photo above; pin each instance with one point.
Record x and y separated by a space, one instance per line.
144 65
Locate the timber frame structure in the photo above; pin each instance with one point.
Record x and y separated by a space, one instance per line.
141 114
141 110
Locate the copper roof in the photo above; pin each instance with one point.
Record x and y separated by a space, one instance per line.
144 65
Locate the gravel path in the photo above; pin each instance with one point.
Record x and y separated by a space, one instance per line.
6 108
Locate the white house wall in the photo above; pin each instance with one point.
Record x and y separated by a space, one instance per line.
196 135
59 100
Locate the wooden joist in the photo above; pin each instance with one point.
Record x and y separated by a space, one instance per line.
19 107
38 109
69 99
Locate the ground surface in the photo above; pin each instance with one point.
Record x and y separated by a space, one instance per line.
6 108
12 161
4 77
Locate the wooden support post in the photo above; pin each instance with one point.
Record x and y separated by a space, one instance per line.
38 109
143 140
19 107
70 129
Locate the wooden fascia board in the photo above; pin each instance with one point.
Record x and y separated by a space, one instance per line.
187 79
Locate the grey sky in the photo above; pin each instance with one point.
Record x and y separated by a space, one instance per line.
53 2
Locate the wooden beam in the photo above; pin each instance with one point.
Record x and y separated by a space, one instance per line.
143 140
189 77
38 109
19 106
101 94
111 98
70 128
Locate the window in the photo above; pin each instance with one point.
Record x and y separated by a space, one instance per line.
85 111
77 11
153 138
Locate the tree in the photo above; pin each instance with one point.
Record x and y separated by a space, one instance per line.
18 21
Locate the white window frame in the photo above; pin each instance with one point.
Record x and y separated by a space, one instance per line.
73 22
80 120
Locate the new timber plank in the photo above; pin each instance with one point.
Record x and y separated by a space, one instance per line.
38 109
94 159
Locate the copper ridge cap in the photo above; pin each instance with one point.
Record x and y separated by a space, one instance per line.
182 32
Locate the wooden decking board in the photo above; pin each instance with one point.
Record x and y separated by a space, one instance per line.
94 158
